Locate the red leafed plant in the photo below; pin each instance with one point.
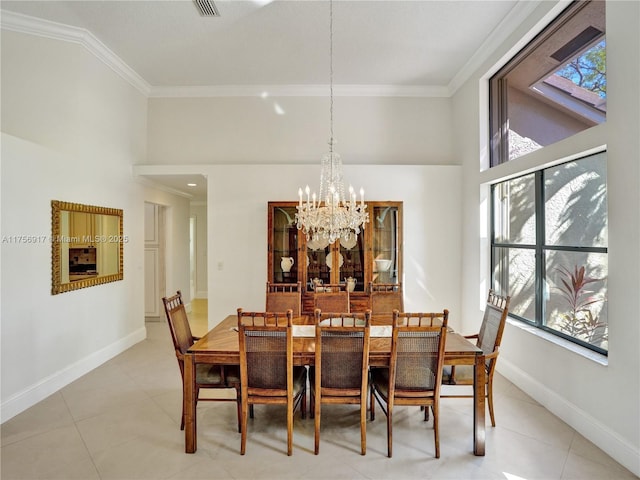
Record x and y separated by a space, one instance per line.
580 321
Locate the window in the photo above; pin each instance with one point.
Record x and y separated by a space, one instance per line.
549 249
552 89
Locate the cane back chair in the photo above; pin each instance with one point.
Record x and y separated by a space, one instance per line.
415 369
267 374
207 375
284 296
335 300
385 298
488 339
340 371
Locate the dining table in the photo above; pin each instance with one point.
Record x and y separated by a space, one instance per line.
220 346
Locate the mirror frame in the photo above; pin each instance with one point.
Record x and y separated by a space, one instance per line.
58 206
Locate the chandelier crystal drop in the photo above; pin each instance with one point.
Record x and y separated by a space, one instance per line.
331 215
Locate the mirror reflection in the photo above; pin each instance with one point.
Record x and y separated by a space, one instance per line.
87 245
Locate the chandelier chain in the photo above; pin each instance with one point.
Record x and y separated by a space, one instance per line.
331 75
332 215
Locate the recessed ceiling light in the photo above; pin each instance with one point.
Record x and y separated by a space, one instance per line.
192 185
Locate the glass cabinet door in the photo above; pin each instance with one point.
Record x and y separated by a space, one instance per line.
386 223
284 245
352 263
319 260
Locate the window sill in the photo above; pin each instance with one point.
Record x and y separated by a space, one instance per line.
561 342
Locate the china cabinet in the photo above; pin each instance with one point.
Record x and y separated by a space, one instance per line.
375 255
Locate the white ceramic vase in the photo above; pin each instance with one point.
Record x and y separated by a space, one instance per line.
286 263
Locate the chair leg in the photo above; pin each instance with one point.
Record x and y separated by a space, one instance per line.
436 431
389 430
303 402
311 403
372 414
426 414
243 429
490 401
316 424
290 426
452 375
239 408
363 424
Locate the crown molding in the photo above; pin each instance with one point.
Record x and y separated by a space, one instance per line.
265 91
44 28
57 31
507 25
48 29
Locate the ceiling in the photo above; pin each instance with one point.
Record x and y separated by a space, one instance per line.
393 43
192 186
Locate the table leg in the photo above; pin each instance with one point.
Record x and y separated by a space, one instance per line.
189 402
478 405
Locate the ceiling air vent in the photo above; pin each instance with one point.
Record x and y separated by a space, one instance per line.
207 8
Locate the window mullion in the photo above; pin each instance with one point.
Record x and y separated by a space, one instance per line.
540 281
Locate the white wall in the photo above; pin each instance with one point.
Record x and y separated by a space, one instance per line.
237 206
247 130
199 212
71 130
600 401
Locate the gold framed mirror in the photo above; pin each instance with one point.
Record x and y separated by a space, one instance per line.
86 246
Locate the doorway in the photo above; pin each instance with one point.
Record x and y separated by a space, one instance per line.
193 267
154 261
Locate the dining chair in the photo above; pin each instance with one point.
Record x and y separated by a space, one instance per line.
415 368
340 371
207 375
284 287
333 301
384 287
267 374
385 298
488 339
284 296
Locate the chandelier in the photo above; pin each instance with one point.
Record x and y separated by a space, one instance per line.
331 215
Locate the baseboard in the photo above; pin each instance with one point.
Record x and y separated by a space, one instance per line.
202 294
35 393
589 427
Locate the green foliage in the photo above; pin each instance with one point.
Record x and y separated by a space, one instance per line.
589 70
579 321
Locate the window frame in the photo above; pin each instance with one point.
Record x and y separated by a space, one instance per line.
541 249
498 115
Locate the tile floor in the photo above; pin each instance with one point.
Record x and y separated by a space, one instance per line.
121 421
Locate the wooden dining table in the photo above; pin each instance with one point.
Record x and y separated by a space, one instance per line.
220 346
